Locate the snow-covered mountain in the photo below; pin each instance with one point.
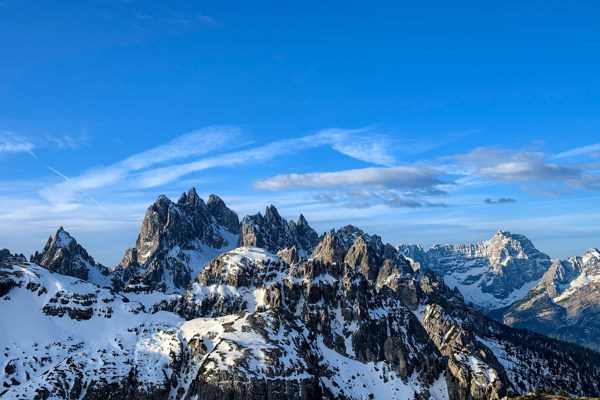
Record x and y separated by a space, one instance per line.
565 304
177 239
281 332
288 314
64 255
491 274
252 325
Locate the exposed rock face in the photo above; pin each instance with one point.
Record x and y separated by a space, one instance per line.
363 252
330 250
482 350
397 275
177 240
62 254
273 233
271 369
223 215
7 257
306 237
491 274
367 255
88 342
565 304
339 308
305 331
477 372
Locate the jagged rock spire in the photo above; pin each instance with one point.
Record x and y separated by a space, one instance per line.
190 198
62 254
274 233
175 239
224 216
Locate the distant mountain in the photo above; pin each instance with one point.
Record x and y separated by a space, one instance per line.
62 254
177 239
491 274
287 314
565 304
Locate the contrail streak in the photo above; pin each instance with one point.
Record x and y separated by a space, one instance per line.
80 189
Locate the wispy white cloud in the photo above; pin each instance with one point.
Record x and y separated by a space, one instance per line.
169 163
206 19
181 18
195 143
394 187
592 148
83 191
12 143
367 148
69 141
360 144
412 185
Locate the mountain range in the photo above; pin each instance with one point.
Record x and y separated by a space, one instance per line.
208 306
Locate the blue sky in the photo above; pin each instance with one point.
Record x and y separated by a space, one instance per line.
424 122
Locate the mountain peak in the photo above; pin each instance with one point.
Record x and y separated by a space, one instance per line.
176 239
64 255
216 200
593 252
272 213
191 198
224 215
63 238
330 249
492 273
301 221
274 233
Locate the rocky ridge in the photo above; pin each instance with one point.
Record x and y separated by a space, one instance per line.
565 304
275 233
8 257
490 274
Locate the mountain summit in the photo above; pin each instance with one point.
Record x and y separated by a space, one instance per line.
177 239
62 254
491 274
